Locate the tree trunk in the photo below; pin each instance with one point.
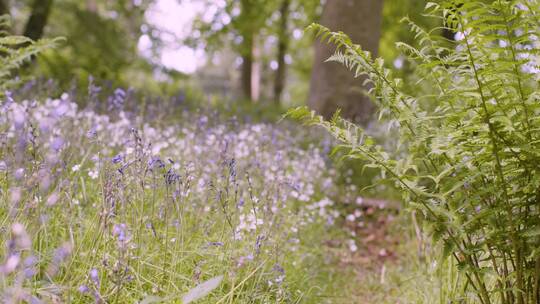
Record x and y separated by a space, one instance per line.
332 85
91 6
249 30
283 44
4 7
246 49
38 19
256 71
247 66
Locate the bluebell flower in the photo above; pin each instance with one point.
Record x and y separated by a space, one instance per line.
155 162
19 117
93 89
215 244
92 133
116 101
120 231
117 159
258 243
83 289
61 253
241 203
29 266
94 276
8 101
278 268
57 144
61 109
171 177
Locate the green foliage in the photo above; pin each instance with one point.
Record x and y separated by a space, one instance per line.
470 139
97 45
393 31
245 19
15 51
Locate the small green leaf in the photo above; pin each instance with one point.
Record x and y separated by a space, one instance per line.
14 40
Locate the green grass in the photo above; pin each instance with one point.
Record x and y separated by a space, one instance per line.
138 229
418 275
169 259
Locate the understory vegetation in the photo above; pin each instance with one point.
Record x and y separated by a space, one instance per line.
467 163
114 208
167 194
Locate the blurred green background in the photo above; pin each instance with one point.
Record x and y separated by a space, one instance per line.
249 53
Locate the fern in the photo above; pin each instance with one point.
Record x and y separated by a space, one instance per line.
15 51
472 137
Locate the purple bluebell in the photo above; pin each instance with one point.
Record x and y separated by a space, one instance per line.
278 268
30 266
61 253
241 203
171 177
258 243
155 162
57 144
117 159
83 289
93 89
120 231
94 276
8 101
61 109
116 101
92 133
19 117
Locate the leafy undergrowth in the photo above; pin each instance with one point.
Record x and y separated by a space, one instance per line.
115 208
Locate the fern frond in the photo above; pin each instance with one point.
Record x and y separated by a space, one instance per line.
472 134
15 51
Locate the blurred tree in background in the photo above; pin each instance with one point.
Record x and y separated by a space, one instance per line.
101 41
332 85
260 33
283 44
4 7
39 14
279 42
255 50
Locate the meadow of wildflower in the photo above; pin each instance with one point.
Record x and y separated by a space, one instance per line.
198 184
112 206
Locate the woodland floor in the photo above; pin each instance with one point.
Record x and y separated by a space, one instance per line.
378 249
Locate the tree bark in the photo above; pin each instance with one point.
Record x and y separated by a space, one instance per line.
91 6
4 7
247 66
332 85
246 48
38 19
256 70
283 45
